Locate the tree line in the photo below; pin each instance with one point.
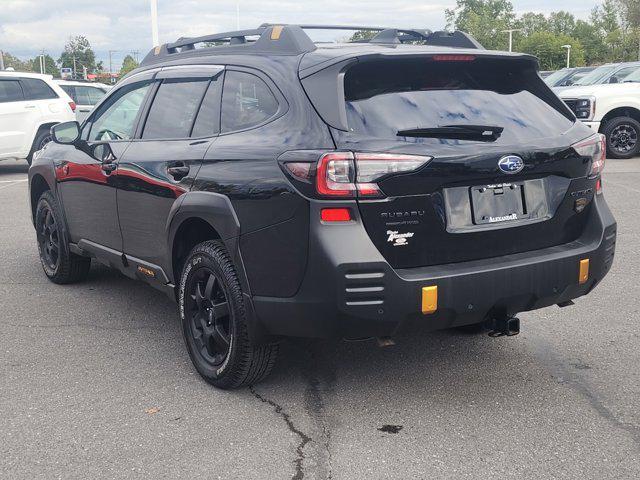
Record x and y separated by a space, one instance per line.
77 55
610 34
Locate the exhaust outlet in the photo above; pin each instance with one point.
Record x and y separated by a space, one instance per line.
504 327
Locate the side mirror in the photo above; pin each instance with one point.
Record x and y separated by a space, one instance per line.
613 80
102 152
66 133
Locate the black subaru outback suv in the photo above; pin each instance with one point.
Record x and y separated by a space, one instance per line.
277 187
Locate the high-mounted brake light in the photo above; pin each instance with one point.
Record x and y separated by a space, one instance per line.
343 174
595 148
453 58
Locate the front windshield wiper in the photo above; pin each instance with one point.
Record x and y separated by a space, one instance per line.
481 133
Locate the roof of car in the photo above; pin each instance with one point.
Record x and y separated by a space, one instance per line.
11 73
292 40
82 84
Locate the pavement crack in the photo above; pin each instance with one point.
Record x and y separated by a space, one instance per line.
582 387
304 438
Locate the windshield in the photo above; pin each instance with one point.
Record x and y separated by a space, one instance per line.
555 77
597 75
382 102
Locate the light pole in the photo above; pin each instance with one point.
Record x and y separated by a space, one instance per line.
154 23
568 47
1 60
510 32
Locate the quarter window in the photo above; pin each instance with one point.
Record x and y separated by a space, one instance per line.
117 120
10 91
174 109
36 89
208 119
246 101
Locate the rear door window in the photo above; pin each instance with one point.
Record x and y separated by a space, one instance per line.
174 109
246 102
71 91
36 89
10 91
384 99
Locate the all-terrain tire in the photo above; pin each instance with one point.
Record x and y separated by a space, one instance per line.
214 322
58 263
623 137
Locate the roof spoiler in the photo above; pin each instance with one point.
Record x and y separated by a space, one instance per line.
284 39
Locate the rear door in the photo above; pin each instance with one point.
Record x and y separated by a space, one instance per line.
501 166
16 116
161 164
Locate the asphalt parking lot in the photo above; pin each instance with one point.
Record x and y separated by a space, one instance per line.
96 383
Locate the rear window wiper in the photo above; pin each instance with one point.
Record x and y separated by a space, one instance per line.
482 133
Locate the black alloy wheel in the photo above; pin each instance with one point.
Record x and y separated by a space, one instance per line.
48 234
215 324
623 137
210 321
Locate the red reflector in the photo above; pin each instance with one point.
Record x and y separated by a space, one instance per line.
599 185
454 58
335 215
73 106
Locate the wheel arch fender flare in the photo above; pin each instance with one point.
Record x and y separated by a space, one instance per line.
217 211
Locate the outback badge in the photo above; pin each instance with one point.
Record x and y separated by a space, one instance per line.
511 164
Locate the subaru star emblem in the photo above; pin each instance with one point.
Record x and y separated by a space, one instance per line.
511 164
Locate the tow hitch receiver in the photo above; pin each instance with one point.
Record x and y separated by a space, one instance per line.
504 326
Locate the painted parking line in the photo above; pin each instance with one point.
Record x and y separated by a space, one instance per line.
10 183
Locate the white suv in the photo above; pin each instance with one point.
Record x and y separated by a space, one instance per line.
84 94
29 105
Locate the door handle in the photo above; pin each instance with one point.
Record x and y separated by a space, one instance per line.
178 171
29 107
109 167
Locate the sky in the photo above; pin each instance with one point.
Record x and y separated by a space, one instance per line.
29 26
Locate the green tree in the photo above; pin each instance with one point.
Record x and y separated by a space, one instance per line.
50 66
129 63
630 14
531 23
562 23
80 49
595 50
484 19
547 47
15 63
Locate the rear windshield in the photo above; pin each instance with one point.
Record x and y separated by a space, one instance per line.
383 98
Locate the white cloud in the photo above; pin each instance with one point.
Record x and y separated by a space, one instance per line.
27 26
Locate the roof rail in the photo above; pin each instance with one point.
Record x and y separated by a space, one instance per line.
284 39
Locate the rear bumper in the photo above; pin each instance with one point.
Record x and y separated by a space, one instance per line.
350 291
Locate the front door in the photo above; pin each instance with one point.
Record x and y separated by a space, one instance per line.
87 181
160 166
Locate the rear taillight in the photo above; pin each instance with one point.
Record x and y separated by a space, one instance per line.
347 174
595 148
72 105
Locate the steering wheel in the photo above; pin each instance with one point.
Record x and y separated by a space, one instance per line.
110 134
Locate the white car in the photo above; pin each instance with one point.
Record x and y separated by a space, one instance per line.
84 94
611 109
30 104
